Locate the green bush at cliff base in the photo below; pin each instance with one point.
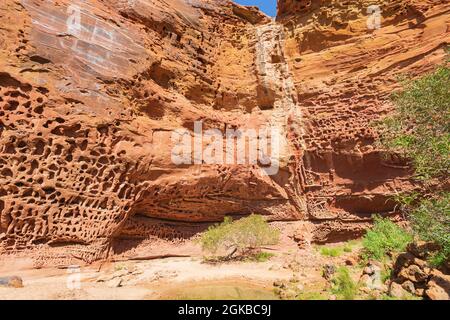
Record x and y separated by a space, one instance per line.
343 285
242 237
419 129
384 238
430 221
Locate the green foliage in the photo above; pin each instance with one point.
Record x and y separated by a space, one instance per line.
343 285
431 222
407 199
384 238
312 296
242 236
407 296
330 252
262 256
386 274
420 128
337 251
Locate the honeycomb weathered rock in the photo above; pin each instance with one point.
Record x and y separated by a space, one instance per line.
91 91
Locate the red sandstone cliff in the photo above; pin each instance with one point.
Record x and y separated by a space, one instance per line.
91 91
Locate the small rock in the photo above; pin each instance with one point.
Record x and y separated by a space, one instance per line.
365 278
114 283
332 297
372 268
137 272
351 261
413 273
368 270
436 292
419 292
397 291
422 264
11 282
278 283
427 270
409 286
438 286
328 271
403 260
120 273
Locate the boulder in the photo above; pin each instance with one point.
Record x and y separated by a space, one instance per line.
438 287
413 273
403 260
396 291
409 286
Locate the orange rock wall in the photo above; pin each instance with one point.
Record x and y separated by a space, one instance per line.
91 91
344 73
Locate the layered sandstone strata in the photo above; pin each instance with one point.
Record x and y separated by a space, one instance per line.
92 91
346 59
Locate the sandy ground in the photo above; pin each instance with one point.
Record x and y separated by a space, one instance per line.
155 279
149 279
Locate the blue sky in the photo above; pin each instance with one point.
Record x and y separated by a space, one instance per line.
268 6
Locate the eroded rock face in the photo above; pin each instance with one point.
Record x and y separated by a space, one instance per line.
344 59
92 91
91 94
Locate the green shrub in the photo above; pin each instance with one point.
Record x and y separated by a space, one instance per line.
386 274
348 248
419 129
431 222
337 251
262 256
343 285
383 238
331 252
312 296
242 237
